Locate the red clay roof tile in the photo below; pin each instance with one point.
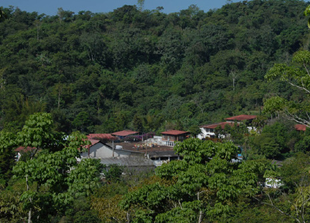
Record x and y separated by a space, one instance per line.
300 127
124 133
24 149
241 117
213 126
100 136
174 132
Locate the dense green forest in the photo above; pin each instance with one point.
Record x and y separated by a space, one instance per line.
150 71
142 69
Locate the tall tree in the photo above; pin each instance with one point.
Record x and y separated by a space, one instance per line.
53 176
204 185
297 75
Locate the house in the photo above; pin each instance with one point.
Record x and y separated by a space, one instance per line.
160 157
132 160
101 136
246 119
241 118
145 154
124 133
99 150
171 136
153 148
209 130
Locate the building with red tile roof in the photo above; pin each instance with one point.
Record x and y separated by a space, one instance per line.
92 143
213 126
124 133
174 132
98 149
171 136
101 136
241 118
24 149
300 127
208 130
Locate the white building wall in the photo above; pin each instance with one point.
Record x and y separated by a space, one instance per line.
273 183
100 151
204 133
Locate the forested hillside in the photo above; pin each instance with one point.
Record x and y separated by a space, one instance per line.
142 69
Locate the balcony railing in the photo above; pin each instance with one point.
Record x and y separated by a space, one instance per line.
170 143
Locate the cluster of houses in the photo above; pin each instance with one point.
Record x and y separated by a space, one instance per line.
150 151
138 155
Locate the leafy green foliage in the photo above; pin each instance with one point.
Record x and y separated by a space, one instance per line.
3 15
151 71
11 208
97 71
114 173
307 12
297 75
53 176
80 212
7 156
275 140
295 170
37 132
204 184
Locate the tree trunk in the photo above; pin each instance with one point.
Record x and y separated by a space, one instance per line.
128 217
29 216
113 148
200 211
29 213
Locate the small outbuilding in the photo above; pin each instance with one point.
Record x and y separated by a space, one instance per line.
172 136
241 118
124 133
99 150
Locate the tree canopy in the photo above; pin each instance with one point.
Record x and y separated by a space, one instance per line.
94 72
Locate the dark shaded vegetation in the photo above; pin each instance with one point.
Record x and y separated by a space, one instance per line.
145 70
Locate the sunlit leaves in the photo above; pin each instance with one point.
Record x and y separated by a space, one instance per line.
274 105
84 178
37 131
58 177
307 12
109 209
302 57
205 183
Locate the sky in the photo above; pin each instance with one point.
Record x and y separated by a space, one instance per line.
50 7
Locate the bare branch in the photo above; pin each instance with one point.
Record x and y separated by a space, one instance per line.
297 119
271 204
299 87
308 115
306 69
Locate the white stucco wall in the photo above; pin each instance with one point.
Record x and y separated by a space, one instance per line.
204 133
